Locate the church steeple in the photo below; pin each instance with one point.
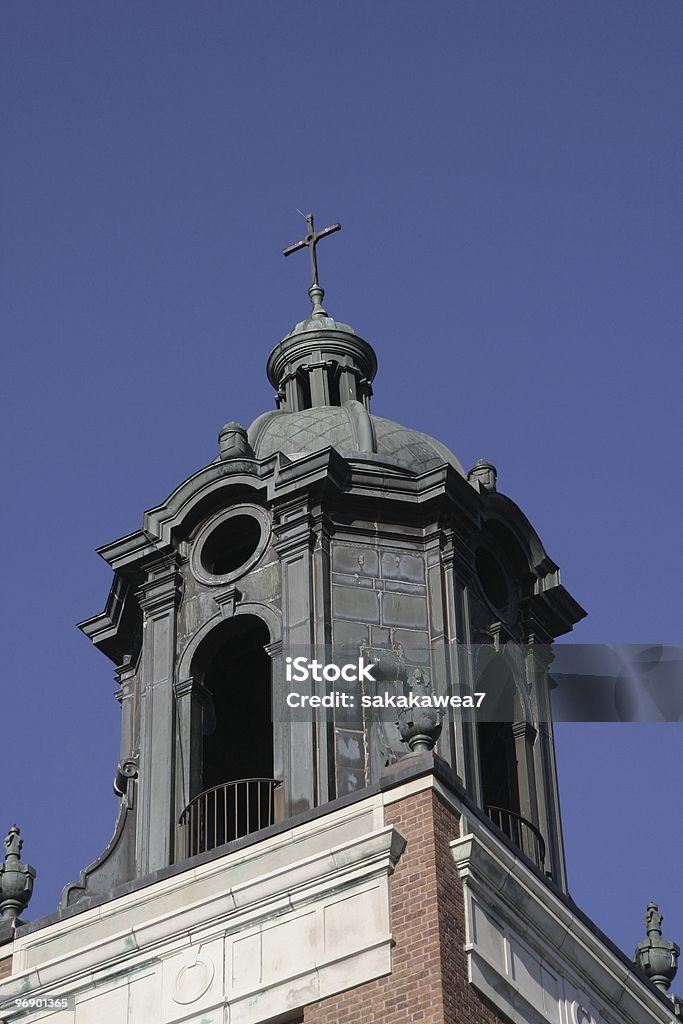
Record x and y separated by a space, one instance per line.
323 530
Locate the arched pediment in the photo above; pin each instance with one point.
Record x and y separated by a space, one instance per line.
513 531
202 493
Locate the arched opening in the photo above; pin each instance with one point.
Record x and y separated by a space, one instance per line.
238 726
504 737
234 762
497 755
517 560
492 578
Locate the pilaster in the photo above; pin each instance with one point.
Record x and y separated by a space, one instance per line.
525 736
322 636
294 541
191 697
159 598
539 659
126 695
439 575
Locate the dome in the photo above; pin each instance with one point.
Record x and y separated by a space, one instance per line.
353 432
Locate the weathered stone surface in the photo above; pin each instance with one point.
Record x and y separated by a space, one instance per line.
368 533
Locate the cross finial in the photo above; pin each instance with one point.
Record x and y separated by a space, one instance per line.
312 238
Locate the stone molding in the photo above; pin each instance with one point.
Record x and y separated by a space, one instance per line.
268 930
190 685
531 956
227 601
163 588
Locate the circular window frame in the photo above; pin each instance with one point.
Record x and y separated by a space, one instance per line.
215 523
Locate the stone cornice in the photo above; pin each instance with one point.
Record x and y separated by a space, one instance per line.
525 731
162 589
260 888
192 686
553 611
114 631
529 910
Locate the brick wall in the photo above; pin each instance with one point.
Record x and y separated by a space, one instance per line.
428 983
5 966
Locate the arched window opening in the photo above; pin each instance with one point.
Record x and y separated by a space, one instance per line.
492 578
501 745
238 730
512 551
497 756
238 794
498 766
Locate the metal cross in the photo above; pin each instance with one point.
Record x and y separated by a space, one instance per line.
310 241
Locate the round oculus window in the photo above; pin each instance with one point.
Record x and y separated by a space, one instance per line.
230 544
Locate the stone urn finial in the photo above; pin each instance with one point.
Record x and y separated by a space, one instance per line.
657 957
16 880
420 727
483 472
233 442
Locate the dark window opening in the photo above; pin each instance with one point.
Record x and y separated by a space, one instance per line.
304 385
514 555
498 748
333 384
231 544
234 771
238 743
498 766
497 755
492 578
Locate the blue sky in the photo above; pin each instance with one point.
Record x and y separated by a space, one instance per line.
508 181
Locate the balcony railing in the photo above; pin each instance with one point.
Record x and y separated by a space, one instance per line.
228 812
521 832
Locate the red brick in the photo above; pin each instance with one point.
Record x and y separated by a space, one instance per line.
428 982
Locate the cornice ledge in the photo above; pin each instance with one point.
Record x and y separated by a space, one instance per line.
106 623
512 891
555 609
366 476
256 900
112 630
128 549
325 465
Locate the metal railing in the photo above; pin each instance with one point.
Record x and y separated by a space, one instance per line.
228 812
521 832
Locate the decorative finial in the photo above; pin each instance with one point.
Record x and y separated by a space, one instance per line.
657 957
16 880
420 727
233 442
312 238
485 473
